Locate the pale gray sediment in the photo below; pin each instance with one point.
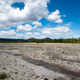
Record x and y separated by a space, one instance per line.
59 58
44 64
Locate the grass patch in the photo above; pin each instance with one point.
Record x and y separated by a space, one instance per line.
23 65
16 72
46 79
37 76
4 68
3 75
62 52
55 79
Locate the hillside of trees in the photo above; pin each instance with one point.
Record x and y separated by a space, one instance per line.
44 40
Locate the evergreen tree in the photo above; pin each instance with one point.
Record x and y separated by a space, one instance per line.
79 39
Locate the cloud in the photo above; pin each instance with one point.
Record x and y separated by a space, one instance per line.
14 35
10 34
59 21
77 37
55 17
36 24
29 34
32 34
33 10
59 30
64 15
22 28
69 23
35 34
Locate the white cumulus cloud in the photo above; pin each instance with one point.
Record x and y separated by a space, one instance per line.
59 21
22 28
55 17
33 10
34 35
60 30
36 24
10 34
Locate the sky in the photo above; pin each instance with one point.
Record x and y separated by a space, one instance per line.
23 19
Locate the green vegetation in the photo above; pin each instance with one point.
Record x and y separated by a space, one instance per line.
3 75
45 40
23 65
45 79
62 52
37 76
16 72
4 68
79 39
55 79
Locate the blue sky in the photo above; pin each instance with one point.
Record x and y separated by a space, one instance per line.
39 18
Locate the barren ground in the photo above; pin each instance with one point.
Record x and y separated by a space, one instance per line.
66 56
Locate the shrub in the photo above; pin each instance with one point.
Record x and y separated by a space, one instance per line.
16 72
37 76
55 79
46 79
4 68
3 75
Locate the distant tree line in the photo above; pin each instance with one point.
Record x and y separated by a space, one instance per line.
60 40
79 39
44 40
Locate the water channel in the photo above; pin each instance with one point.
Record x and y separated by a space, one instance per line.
52 67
